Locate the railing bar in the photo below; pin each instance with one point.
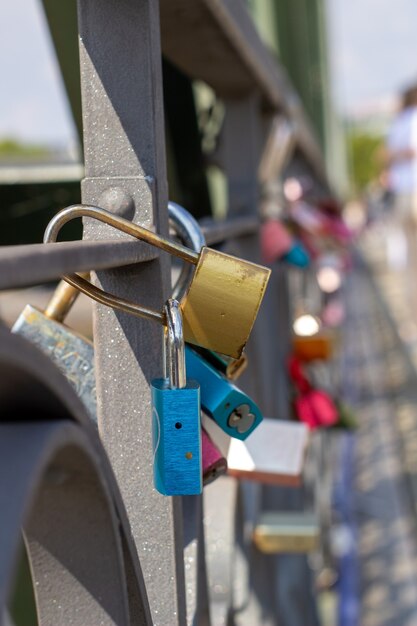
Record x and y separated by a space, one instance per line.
27 265
216 232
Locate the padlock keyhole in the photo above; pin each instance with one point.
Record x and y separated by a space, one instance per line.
178 425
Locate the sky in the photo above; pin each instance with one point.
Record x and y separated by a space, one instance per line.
373 54
33 103
373 49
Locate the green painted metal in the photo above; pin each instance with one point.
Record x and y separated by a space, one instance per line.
63 26
296 32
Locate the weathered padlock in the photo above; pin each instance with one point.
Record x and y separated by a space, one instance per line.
72 353
231 409
222 301
176 420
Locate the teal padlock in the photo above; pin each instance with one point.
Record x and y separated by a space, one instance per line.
232 409
176 418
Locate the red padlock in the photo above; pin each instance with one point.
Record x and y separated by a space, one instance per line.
276 241
323 407
305 412
314 407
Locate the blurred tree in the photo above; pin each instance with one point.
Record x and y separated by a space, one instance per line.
365 151
12 148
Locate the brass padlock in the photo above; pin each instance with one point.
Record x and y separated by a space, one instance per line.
319 346
72 353
287 532
222 301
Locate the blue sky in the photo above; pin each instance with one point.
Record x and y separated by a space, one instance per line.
373 54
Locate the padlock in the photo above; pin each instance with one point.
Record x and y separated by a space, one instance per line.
72 353
298 255
231 368
232 410
277 243
319 346
287 532
176 425
276 240
314 407
214 463
222 301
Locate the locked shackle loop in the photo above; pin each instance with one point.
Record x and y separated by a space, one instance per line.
190 234
182 222
174 345
221 303
120 223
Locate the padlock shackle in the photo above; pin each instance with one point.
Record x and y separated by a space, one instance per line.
110 300
174 345
184 224
190 234
120 223
185 227
62 300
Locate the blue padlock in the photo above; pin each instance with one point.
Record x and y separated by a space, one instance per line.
227 405
297 255
176 417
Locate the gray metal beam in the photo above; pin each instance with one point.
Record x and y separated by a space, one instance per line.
55 480
124 146
22 266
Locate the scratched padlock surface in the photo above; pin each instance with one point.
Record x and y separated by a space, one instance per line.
71 353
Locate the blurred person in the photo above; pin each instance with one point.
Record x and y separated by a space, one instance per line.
401 159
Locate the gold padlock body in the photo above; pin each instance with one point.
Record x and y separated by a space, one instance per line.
222 302
277 533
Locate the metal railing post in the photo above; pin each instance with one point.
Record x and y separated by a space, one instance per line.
125 171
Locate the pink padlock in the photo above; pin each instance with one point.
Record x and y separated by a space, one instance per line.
214 463
305 412
316 409
323 407
276 241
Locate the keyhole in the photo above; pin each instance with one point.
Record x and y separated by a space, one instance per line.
178 425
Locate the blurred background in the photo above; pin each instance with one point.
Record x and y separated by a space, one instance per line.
351 62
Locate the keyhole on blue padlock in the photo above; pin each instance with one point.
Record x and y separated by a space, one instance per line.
232 409
241 418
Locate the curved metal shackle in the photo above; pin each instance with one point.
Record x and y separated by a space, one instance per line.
174 345
72 212
189 232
